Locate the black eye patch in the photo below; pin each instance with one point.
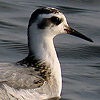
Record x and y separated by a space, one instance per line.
47 21
56 20
44 23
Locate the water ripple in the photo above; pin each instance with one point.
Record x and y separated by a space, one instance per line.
79 52
72 10
14 46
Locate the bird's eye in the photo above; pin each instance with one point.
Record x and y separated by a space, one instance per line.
55 20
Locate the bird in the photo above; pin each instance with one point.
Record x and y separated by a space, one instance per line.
37 76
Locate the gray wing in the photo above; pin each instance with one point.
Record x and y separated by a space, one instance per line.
25 83
19 77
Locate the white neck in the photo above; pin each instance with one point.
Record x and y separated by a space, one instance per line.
42 47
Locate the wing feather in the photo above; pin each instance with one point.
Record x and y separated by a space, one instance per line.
19 77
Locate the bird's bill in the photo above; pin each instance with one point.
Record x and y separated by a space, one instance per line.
71 31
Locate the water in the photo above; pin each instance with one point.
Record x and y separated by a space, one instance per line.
80 60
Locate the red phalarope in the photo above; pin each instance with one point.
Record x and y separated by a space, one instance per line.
38 76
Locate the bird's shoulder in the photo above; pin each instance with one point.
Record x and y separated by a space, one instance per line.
19 77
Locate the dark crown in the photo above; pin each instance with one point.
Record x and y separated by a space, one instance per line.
45 10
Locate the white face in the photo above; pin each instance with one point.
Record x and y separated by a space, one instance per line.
51 24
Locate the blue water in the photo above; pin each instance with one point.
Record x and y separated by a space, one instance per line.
80 60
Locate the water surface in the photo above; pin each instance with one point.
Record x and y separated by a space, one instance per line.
80 60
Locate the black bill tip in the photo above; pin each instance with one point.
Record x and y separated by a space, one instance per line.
72 31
